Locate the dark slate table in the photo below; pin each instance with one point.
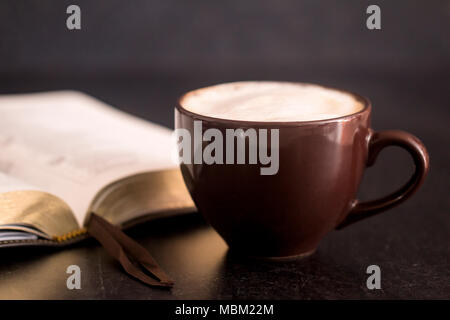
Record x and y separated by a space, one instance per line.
410 243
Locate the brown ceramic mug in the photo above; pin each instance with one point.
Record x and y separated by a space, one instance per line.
321 164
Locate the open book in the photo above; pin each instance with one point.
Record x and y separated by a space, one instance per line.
64 155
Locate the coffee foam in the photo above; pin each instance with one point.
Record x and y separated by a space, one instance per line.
270 101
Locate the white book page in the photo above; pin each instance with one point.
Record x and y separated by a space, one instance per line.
71 145
8 183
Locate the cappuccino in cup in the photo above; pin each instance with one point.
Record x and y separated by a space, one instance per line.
323 144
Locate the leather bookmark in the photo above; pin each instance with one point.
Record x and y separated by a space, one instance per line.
131 255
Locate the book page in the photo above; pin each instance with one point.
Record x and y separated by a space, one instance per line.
8 183
71 145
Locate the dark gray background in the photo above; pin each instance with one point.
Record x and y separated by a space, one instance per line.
141 55
176 37
155 50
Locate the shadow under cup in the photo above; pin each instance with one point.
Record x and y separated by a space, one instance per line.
321 164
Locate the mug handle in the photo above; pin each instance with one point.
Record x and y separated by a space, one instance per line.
377 142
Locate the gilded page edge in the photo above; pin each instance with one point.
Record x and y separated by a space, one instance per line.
50 215
142 197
